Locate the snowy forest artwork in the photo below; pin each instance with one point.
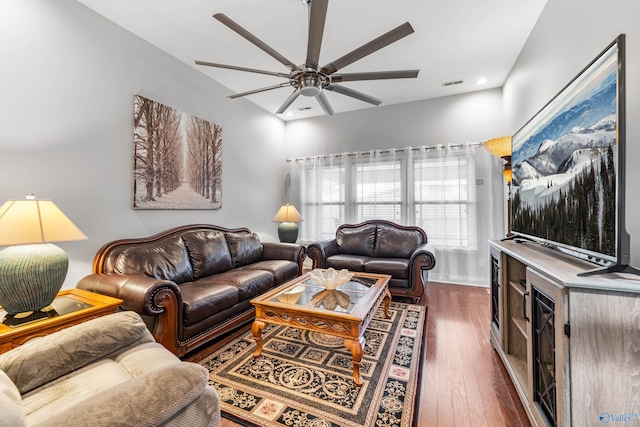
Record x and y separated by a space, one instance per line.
564 164
177 159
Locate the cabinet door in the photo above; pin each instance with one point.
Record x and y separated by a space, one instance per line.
496 298
514 324
605 357
548 358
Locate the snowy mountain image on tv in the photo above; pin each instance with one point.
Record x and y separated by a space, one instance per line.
564 165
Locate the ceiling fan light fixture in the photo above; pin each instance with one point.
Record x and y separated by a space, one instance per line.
310 85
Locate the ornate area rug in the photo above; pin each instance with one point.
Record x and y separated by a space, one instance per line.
304 379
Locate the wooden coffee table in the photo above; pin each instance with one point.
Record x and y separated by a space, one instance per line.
345 312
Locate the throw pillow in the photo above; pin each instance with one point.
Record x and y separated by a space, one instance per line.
208 251
245 248
394 243
163 260
357 241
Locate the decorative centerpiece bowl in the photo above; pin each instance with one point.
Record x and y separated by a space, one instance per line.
330 279
292 295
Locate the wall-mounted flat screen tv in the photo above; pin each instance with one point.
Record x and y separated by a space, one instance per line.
568 167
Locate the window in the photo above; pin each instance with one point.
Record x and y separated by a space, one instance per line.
442 201
324 206
432 187
377 191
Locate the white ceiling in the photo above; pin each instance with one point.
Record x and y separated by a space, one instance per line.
453 40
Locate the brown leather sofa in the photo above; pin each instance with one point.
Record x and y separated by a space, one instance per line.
378 246
192 283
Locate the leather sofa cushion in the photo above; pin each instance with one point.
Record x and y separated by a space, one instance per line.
249 283
350 262
396 267
208 251
281 270
245 248
163 260
394 243
200 299
357 241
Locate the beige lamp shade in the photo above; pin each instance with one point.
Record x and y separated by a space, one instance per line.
287 213
24 222
499 147
32 269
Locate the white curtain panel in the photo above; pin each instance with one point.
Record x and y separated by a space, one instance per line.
450 191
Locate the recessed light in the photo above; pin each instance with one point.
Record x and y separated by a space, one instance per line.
481 81
289 114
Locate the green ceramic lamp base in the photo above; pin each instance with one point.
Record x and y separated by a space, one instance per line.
288 232
31 276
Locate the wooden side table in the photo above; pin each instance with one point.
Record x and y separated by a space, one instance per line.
71 307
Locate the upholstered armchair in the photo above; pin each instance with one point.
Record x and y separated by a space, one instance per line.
108 371
383 247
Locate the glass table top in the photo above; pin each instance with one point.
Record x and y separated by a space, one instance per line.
342 300
59 306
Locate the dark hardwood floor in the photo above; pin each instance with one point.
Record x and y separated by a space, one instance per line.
464 382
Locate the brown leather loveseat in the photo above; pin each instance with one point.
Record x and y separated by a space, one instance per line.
379 246
192 283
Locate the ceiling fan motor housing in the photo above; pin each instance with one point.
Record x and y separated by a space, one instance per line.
310 82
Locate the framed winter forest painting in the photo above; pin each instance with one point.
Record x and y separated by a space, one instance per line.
177 160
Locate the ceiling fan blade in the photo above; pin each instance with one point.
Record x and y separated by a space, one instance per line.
317 16
264 89
256 41
354 94
289 101
324 103
234 67
375 75
368 48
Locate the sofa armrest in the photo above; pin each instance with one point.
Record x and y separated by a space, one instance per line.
147 400
286 251
141 294
160 299
425 254
42 360
321 250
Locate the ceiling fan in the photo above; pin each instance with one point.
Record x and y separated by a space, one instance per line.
310 80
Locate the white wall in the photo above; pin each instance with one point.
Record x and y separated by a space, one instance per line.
470 117
67 81
566 38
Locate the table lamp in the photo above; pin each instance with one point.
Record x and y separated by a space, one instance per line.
32 270
288 215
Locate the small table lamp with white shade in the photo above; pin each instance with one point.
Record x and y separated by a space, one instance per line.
288 215
32 270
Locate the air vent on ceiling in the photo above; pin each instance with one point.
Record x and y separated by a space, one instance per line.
303 108
452 83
